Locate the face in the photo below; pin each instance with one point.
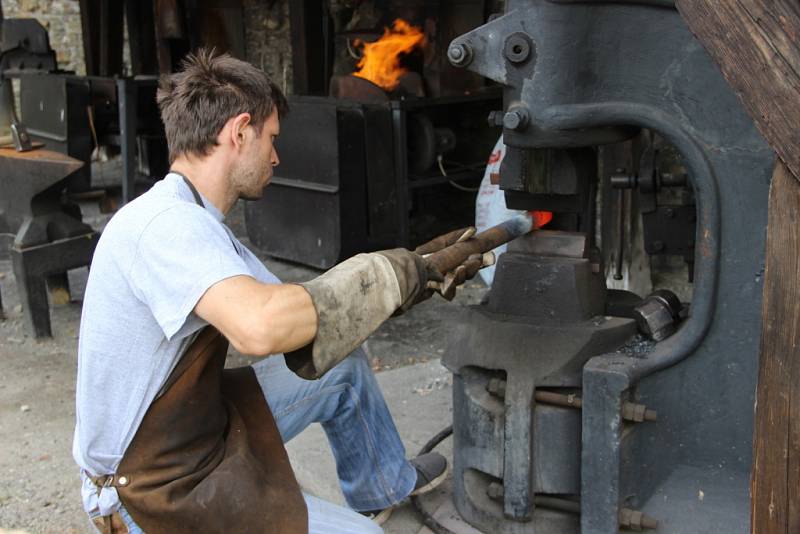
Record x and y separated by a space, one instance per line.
253 170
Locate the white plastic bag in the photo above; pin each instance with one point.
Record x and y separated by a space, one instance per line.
490 206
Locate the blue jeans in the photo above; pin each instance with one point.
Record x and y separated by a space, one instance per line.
370 458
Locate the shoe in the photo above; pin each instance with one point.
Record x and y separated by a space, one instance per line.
431 471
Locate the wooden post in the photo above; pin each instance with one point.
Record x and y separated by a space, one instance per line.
775 483
755 44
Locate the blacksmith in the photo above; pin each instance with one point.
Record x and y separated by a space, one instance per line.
166 440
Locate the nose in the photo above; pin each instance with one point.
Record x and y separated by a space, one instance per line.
275 160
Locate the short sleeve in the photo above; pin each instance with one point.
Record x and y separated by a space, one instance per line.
181 253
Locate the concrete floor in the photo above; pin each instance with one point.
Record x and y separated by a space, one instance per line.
39 490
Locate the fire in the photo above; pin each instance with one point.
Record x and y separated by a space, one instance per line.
380 62
540 218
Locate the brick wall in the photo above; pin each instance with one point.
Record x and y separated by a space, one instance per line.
62 20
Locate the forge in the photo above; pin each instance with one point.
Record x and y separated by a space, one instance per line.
399 141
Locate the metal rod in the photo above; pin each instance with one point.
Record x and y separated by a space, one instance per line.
631 411
628 518
568 401
620 234
554 503
451 257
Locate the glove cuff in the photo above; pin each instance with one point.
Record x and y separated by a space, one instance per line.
351 300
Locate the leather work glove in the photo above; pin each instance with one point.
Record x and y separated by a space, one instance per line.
353 299
446 283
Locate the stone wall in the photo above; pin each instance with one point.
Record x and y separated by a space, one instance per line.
267 38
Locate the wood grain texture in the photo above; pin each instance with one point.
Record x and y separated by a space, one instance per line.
776 441
755 44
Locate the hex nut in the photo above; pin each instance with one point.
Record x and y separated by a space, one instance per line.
459 54
515 119
654 319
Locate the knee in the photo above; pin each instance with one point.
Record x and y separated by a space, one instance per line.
353 368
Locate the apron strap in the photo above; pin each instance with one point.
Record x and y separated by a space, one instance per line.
199 201
197 198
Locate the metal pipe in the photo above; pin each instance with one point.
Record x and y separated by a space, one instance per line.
707 254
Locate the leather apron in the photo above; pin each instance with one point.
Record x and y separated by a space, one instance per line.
208 456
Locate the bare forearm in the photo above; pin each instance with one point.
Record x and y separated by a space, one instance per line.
289 320
260 319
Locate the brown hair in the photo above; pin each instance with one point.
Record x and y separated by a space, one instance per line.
210 89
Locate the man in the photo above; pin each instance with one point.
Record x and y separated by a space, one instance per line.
166 440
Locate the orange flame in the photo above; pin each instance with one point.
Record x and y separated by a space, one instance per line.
380 62
540 218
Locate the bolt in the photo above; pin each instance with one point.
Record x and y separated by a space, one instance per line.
669 213
656 318
637 413
636 520
658 246
459 54
495 118
516 119
495 491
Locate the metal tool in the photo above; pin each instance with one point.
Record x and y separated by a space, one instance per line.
450 258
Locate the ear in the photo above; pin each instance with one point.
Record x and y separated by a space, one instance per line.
238 129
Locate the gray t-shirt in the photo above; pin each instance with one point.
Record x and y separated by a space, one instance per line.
156 258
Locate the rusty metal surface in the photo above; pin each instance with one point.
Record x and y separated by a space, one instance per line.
355 88
451 257
42 155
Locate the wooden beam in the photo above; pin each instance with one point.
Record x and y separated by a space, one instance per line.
310 55
102 28
141 36
775 483
755 44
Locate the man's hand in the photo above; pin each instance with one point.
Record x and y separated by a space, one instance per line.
446 283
